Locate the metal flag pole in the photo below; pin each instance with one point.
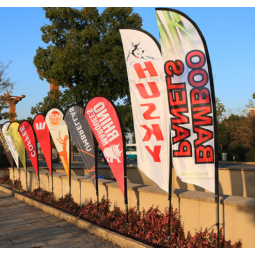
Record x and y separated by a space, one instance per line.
19 175
69 164
125 175
217 199
39 184
51 168
170 186
38 169
96 173
26 168
12 173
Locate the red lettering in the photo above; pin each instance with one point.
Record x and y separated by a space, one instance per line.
203 135
150 110
180 97
155 153
196 53
200 115
154 131
200 83
171 85
200 96
149 67
181 133
204 154
172 67
153 87
180 118
184 150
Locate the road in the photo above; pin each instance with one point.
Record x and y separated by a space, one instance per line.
78 163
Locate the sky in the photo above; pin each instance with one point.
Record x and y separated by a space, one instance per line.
229 33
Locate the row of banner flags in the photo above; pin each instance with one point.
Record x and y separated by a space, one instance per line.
173 100
173 105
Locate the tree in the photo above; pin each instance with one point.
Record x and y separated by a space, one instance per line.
85 52
29 119
126 117
223 136
220 109
6 85
57 99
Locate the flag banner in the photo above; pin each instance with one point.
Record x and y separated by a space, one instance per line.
83 137
43 136
191 98
18 143
10 143
60 135
5 145
28 137
104 122
149 100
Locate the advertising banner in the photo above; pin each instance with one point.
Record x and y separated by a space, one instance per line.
149 100
104 122
191 98
5 145
83 137
43 136
28 137
10 143
18 143
60 135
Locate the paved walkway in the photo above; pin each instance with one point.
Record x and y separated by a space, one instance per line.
24 226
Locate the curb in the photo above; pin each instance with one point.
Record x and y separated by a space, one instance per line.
124 242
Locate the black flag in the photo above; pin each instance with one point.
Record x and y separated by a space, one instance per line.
83 137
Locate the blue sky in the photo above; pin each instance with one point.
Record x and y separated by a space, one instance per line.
229 33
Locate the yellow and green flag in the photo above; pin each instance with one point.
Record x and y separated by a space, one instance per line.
17 142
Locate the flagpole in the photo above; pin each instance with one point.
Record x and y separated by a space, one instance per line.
39 184
96 173
51 167
69 172
125 173
12 173
170 185
19 178
217 198
26 168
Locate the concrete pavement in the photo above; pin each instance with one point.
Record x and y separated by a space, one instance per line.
24 226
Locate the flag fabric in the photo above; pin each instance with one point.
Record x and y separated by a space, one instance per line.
28 137
149 103
189 81
10 143
18 143
43 135
104 122
60 135
83 137
5 146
